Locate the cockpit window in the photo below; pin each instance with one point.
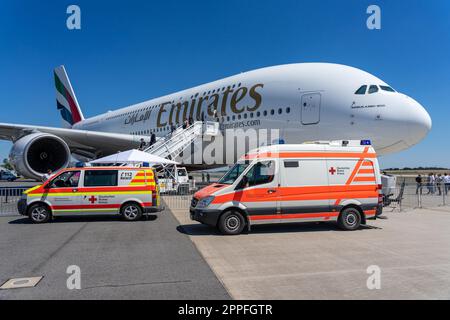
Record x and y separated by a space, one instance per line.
361 90
386 88
373 89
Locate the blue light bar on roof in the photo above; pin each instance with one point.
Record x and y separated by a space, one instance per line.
366 143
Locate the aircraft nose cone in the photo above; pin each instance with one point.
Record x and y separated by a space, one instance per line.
419 122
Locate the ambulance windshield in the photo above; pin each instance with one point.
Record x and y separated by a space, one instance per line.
234 173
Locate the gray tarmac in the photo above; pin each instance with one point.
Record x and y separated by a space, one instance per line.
148 259
409 251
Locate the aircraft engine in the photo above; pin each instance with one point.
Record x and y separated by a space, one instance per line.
34 154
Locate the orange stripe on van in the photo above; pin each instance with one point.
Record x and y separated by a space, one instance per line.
367 164
358 166
325 215
142 174
301 193
294 216
364 179
363 171
355 170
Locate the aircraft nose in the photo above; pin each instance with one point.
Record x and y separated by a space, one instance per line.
418 121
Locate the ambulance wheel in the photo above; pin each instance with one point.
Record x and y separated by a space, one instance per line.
39 213
131 211
349 219
231 223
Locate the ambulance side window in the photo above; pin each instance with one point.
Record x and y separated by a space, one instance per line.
68 179
100 178
234 173
262 172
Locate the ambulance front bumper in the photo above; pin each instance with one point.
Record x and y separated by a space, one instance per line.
205 216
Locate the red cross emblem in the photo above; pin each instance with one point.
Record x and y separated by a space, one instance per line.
92 199
332 171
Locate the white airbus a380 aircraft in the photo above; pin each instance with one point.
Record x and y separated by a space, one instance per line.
306 101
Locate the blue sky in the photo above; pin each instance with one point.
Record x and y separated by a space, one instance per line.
127 52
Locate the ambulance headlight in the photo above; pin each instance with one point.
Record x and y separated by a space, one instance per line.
23 196
203 203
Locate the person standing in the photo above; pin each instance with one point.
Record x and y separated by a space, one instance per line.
208 178
446 183
439 181
152 139
430 183
433 183
419 184
142 144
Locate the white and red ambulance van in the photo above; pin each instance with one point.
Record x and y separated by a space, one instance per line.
127 191
319 181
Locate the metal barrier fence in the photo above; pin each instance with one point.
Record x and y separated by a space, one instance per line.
8 199
412 196
176 201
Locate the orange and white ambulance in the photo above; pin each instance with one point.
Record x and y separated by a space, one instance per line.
128 191
319 181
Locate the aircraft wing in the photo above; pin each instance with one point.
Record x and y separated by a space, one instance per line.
79 141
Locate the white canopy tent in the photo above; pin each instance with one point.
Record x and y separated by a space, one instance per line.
133 156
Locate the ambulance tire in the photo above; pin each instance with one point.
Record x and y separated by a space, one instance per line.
349 219
231 223
39 213
131 211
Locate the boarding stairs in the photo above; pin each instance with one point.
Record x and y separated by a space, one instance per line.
172 145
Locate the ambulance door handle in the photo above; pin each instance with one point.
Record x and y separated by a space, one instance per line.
271 191
74 190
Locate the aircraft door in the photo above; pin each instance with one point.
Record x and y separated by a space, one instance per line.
310 108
